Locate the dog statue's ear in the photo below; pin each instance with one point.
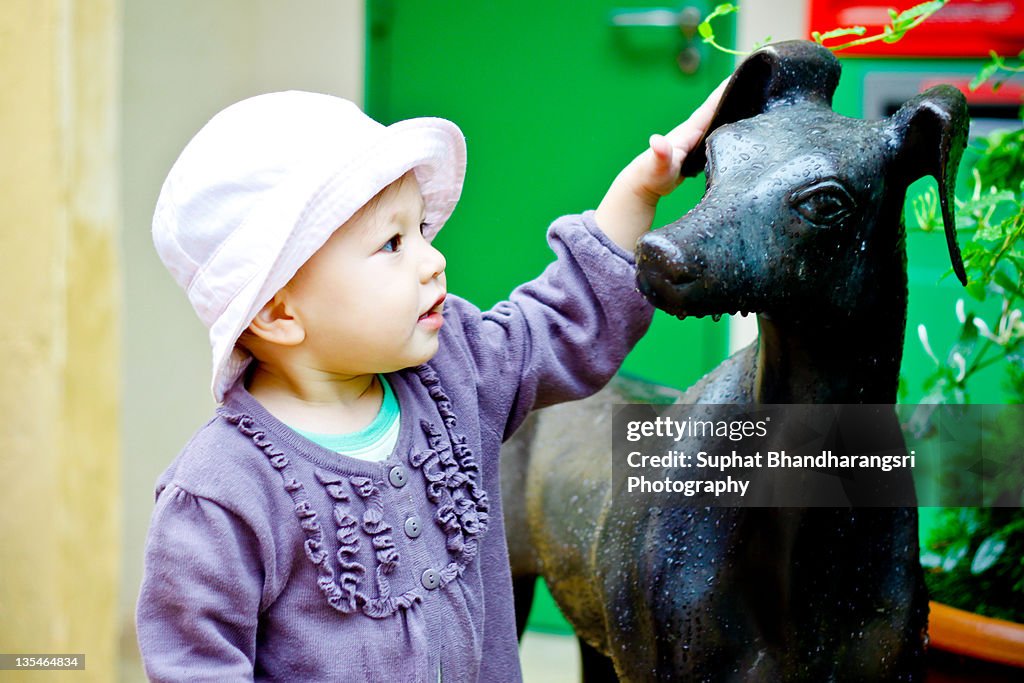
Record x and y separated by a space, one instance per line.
930 132
782 72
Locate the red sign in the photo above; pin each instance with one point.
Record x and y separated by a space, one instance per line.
963 28
1010 93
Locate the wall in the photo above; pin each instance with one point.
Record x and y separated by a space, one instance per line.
778 20
59 394
184 61
756 22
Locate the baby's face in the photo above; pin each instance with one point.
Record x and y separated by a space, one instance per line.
370 299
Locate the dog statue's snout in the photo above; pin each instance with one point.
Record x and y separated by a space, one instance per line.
658 255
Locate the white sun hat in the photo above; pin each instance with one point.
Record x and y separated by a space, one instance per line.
262 186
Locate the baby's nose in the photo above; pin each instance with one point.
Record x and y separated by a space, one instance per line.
434 263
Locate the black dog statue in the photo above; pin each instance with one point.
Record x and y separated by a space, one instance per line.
802 224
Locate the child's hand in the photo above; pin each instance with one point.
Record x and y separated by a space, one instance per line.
657 168
627 210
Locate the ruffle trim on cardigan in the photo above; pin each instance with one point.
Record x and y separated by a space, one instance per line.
343 593
452 475
384 546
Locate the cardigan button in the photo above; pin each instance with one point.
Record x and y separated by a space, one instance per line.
431 579
397 476
412 527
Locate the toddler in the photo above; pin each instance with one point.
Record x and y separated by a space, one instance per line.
339 518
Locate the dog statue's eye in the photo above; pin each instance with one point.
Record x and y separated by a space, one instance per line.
823 204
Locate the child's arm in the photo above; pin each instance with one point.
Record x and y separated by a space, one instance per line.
627 210
200 597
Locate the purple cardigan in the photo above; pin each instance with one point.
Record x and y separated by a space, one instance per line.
271 558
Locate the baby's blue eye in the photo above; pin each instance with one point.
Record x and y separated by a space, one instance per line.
392 244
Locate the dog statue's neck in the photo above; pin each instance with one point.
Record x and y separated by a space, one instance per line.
851 368
854 358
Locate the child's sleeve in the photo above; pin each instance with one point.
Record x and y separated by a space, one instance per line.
562 335
200 598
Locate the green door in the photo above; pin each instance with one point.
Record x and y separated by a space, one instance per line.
554 99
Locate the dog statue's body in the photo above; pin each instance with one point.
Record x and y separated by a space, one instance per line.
801 223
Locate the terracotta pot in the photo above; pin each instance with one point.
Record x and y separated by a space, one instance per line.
972 635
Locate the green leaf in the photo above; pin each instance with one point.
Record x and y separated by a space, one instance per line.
988 554
916 11
704 28
954 555
723 9
1016 360
987 201
890 36
972 251
986 73
976 290
968 332
841 33
985 231
1004 281
988 232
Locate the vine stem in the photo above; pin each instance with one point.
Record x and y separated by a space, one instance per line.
1008 242
882 36
977 364
711 41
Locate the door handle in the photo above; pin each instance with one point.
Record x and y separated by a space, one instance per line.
686 18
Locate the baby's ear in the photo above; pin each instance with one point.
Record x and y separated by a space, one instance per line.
276 322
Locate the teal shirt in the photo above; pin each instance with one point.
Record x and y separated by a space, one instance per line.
374 442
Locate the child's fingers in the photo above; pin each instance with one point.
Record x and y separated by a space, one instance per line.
663 174
689 132
701 118
662 149
659 167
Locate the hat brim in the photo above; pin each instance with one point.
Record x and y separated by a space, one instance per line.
295 223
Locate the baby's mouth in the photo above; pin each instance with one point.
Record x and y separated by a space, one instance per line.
438 307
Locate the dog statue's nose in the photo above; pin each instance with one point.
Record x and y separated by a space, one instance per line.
658 254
